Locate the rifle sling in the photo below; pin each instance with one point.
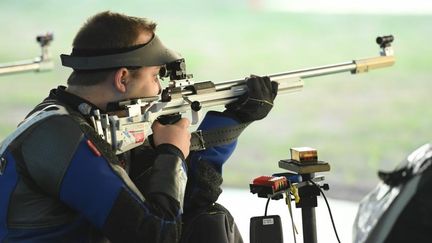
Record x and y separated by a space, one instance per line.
201 140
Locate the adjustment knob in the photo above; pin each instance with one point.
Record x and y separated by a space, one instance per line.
325 187
196 106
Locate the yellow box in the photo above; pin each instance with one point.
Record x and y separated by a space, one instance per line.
304 154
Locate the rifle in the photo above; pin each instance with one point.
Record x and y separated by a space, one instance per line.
38 64
129 128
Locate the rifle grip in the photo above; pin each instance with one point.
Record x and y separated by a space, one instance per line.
169 119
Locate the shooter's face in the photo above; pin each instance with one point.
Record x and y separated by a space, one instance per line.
144 83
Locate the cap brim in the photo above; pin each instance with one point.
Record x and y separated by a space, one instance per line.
153 53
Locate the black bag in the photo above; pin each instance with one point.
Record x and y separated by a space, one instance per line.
400 208
213 224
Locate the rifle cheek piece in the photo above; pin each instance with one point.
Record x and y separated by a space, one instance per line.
154 53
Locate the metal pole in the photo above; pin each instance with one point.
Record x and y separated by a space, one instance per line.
309 225
308 214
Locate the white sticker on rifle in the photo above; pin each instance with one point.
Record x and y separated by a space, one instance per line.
268 221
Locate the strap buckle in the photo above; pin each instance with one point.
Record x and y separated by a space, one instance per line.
201 142
3 162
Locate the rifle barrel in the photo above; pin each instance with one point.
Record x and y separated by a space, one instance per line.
356 66
37 65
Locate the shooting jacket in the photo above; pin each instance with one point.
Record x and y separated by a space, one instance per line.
60 181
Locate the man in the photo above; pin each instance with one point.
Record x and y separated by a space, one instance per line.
61 182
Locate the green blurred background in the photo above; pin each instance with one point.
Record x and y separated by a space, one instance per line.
358 123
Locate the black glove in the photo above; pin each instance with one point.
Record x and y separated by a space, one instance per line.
256 103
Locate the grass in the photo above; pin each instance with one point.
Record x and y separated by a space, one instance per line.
358 123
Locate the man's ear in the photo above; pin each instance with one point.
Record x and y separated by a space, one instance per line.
120 81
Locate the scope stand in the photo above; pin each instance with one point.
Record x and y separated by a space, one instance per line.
308 194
